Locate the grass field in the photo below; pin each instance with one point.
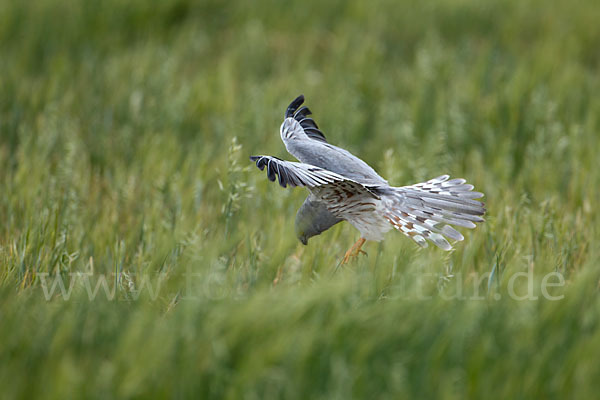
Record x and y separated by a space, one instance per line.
142 255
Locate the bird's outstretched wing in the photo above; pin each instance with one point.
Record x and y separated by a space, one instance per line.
295 173
300 174
301 114
307 143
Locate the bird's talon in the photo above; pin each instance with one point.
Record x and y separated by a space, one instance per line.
354 251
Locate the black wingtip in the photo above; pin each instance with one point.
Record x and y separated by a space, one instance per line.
294 106
301 114
259 160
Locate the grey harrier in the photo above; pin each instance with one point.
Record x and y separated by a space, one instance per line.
344 187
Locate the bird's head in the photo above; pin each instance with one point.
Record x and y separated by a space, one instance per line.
304 225
312 219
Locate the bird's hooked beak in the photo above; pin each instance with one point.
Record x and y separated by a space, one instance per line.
303 240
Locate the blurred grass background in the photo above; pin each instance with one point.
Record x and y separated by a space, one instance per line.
125 131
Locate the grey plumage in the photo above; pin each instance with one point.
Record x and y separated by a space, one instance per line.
343 187
295 174
297 140
313 218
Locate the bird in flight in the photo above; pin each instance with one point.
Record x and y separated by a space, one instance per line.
343 187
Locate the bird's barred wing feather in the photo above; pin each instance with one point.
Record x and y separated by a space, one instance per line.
300 174
425 211
295 173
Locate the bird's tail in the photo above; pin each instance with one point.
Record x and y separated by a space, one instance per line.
427 210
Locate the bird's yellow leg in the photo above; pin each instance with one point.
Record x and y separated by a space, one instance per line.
354 251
